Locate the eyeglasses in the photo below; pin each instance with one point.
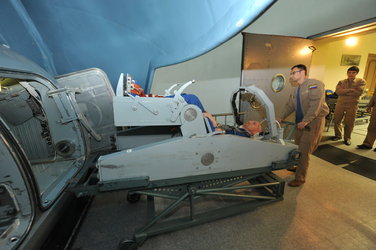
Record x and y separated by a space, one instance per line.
293 73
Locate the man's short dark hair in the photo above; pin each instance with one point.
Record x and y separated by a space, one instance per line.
301 67
353 68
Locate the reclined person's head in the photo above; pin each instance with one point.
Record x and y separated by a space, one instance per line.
252 127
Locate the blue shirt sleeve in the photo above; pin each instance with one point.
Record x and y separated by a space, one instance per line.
193 99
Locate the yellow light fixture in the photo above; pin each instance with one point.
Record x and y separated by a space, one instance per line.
351 41
305 51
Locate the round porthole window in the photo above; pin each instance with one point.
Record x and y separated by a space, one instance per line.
278 82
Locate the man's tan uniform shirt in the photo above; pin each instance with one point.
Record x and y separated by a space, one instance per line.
343 87
312 99
371 130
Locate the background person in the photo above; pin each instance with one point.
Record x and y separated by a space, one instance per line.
348 90
308 102
371 131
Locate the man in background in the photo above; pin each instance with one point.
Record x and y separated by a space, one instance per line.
308 102
348 90
371 131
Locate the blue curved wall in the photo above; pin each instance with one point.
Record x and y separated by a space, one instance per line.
131 36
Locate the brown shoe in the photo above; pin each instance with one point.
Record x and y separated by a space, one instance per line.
293 169
296 183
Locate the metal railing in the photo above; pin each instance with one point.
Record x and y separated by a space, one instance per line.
225 115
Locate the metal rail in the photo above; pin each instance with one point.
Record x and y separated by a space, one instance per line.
225 115
234 196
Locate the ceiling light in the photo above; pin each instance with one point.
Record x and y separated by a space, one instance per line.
351 41
305 51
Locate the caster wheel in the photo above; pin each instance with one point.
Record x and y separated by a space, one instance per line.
128 245
133 198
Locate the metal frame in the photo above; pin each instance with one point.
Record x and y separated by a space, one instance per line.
292 127
202 171
255 190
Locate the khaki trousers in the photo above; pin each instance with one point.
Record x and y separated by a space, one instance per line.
308 141
349 112
371 133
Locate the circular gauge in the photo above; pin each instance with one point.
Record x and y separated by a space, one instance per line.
278 82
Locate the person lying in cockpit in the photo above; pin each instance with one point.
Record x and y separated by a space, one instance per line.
248 129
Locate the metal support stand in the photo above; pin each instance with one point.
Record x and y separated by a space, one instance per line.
231 195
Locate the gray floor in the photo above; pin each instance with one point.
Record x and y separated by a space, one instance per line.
334 209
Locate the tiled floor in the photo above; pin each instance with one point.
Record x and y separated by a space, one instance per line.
334 209
358 135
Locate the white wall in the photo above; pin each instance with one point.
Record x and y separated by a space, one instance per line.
218 71
217 74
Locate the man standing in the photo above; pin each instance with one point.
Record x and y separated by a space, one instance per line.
371 133
308 102
348 90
